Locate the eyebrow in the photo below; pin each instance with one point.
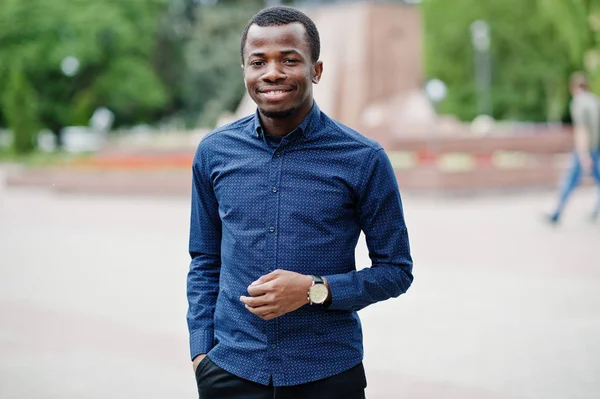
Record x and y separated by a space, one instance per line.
284 52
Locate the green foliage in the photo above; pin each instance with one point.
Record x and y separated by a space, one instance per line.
131 96
535 44
214 81
19 103
578 25
114 42
148 60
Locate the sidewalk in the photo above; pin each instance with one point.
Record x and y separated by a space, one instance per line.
92 298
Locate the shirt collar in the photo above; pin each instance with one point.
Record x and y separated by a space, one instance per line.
302 129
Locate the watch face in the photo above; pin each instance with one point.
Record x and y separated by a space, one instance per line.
318 293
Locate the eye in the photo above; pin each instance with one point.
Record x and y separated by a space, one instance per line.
290 61
257 63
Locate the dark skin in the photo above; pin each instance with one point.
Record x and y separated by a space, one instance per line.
279 74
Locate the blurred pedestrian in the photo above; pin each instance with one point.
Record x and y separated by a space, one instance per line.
585 113
279 199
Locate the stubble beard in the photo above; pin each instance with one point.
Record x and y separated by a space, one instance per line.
278 114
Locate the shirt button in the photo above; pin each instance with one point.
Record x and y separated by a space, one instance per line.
278 154
274 189
271 229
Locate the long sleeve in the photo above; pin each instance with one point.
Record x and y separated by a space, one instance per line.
205 251
382 221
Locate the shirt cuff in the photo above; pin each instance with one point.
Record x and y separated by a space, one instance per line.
342 289
201 342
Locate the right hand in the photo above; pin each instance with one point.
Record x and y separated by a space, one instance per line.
197 361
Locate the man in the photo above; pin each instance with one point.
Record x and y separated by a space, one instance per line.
585 113
279 199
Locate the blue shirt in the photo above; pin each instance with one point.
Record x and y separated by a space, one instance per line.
298 206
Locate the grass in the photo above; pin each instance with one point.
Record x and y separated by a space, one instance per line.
39 158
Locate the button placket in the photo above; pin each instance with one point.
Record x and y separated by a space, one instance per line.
273 204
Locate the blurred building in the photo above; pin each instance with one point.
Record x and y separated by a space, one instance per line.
373 70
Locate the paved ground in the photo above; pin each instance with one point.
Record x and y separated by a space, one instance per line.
92 300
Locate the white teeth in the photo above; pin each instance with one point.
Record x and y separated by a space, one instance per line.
275 92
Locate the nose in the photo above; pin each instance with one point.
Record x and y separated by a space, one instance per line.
274 72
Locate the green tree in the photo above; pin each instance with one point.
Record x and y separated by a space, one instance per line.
531 58
578 25
19 101
214 82
113 41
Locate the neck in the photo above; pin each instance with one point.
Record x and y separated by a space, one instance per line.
283 126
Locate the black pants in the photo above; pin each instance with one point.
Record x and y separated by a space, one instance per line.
216 383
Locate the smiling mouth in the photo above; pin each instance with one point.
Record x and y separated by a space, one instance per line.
275 95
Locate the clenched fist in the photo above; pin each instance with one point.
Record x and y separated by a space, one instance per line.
277 293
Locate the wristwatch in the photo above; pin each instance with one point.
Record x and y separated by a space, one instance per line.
318 292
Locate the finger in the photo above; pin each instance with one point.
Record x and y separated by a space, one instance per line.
257 301
270 316
266 278
260 289
261 311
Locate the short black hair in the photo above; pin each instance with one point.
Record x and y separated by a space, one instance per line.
282 15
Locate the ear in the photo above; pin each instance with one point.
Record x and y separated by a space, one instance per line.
244 76
317 71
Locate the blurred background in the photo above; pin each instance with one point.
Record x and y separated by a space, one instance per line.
102 105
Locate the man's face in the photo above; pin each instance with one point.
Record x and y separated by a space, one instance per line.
278 70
